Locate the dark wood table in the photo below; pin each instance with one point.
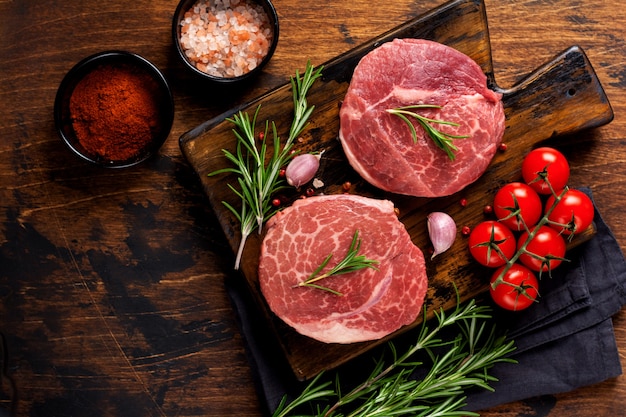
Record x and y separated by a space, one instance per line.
112 298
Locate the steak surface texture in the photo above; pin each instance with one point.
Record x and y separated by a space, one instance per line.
380 146
372 303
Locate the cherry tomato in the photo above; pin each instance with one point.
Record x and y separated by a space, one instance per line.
548 244
542 163
573 214
522 292
517 203
491 243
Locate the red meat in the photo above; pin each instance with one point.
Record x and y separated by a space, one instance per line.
372 303
406 72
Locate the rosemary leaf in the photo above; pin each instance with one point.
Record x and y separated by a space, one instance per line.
392 389
259 179
441 139
352 262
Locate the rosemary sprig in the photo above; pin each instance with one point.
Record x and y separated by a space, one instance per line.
350 263
259 173
392 390
441 139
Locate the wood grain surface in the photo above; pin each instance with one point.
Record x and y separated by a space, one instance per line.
112 298
564 96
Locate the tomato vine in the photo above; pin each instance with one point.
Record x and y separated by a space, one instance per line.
541 219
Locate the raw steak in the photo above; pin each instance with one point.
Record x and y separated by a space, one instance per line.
372 303
406 72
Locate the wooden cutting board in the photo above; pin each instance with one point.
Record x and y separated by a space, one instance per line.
562 97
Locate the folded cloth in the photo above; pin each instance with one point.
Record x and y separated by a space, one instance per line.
583 358
563 342
566 340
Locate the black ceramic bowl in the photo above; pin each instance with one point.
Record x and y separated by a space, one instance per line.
217 63
114 109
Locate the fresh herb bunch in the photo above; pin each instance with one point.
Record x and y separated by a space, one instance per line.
350 263
391 390
258 165
441 139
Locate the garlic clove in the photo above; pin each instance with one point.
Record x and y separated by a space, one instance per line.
302 169
442 231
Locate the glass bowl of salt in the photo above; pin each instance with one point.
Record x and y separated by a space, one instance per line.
225 41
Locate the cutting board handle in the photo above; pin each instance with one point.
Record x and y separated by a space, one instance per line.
562 97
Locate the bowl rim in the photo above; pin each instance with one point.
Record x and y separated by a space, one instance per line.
79 71
184 5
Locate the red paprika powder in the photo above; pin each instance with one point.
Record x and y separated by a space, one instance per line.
114 111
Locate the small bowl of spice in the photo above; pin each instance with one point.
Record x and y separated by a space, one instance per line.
225 41
114 109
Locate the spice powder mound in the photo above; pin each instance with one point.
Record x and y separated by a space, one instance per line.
114 111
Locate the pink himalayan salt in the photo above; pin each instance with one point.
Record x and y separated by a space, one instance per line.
226 38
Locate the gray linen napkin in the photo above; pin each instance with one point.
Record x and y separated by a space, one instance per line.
564 342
